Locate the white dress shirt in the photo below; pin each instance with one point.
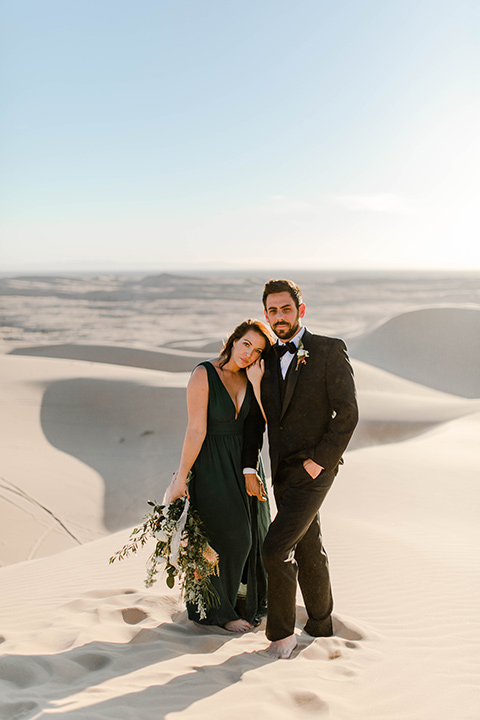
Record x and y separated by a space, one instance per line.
286 359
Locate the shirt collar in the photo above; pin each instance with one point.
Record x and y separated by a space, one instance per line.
296 338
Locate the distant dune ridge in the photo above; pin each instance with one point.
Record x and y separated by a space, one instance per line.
438 347
146 311
91 430
169 360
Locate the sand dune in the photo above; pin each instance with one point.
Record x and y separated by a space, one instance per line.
89 433
87 443
91 642
167 359
106 648
436 347
393 409
84 444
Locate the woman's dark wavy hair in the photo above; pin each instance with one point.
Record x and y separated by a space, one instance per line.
241 330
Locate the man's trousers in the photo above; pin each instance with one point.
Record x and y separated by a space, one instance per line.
293 549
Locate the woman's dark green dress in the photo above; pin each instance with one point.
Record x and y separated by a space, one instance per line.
235 523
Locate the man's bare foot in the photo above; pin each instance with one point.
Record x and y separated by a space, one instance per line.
238 626
282 649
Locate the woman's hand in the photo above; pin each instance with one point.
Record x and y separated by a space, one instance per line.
255 372
254 486
176 489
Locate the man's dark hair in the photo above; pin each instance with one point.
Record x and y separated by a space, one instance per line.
278 286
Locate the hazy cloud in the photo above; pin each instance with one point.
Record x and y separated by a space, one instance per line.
374 203
378 203
281 204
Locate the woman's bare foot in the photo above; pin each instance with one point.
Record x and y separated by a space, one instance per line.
282 649
238 626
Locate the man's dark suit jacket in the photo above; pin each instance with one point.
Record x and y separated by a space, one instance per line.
319 411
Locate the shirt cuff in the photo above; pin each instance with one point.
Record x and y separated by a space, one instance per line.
249 471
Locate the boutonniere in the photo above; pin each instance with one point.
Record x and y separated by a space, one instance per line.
302 355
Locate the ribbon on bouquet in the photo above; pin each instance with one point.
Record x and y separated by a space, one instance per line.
177 536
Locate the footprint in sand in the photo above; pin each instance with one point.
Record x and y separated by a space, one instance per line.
133 615
346 631
17 711
328 648
102 603
24 672
334 653
92 662
310 702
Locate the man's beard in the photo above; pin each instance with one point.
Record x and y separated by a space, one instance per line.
286 331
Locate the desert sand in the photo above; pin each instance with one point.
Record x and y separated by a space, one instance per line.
92 426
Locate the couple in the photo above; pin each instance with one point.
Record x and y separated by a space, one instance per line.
302 386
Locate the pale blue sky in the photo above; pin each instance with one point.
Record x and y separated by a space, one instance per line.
206 134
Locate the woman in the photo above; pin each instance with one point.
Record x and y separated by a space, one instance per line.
220 402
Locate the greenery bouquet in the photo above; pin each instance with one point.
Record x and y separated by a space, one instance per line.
180 544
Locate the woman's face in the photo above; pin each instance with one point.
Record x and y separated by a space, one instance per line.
248 348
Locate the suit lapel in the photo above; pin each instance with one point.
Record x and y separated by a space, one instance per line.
293 374
272 372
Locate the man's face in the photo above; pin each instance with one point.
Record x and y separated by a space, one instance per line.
282 315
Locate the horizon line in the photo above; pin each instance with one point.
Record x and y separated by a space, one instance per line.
228 269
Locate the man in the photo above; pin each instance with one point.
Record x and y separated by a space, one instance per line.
308 398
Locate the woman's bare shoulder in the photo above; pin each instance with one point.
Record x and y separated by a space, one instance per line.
199 372
198 378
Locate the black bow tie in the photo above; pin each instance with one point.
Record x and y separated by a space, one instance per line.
286 347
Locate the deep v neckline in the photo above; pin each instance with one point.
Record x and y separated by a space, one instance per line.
239 410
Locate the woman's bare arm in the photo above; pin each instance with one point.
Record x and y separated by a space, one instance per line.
197 404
